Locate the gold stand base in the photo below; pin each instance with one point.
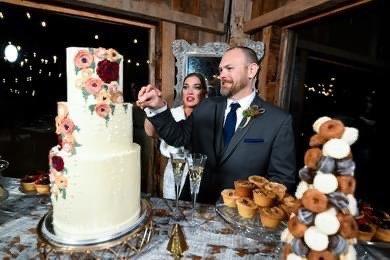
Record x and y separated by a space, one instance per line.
123 247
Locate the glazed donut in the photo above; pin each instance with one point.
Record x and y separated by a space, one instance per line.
340 201
338 245
312 157
345 167
296 228
348 226
321 255
299 247
305 216
317 140
327 164
306 174
332 129
347 184
314 200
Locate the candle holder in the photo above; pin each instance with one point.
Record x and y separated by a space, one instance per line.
177 243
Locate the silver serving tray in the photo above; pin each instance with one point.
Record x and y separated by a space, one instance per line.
252 227
379 244
48 232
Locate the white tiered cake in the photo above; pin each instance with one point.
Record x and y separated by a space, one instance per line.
95 169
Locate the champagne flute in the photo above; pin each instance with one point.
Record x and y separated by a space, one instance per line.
178 161
196 163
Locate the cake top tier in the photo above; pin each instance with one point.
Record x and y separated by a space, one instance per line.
94 75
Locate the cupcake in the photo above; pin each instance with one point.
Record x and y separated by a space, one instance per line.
42 184
263 198
259 181
243 188
229 197
27 183
271 217
246 207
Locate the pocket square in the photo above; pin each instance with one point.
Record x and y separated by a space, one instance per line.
253 140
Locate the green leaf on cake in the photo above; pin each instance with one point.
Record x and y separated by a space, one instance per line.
107 118
77 128
85 94
125 107
63 193
92 108
112 109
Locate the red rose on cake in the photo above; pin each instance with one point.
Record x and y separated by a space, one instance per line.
108 71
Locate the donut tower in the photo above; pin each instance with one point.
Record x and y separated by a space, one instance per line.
324 227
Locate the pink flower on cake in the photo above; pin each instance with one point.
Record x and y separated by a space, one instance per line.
93 85
82 76
108 71
113 55
57 163
113 86
103 110
117 97
100 52
83 59
66 126
61 181
68 143
103 97
62 109
54 190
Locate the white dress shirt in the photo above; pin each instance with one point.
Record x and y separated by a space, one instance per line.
244 102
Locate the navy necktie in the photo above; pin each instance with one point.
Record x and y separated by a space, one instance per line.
230 123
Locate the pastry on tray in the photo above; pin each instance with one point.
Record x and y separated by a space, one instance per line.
246 207
28 183
42 184
229 197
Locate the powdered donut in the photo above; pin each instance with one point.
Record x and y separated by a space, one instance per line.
340 201
327 164
325 183
314 200
350 135
336 148
352 205
299 247
305 216
296 228
348 226
331 129
293 256
286 236
317 140
315 239
319 122
338 245
350 255
327 223
312 157
323 255
301 188
347 184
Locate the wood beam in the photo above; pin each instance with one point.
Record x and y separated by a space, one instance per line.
298 9
168 35
143 9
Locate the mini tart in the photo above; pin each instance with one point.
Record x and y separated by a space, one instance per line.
28 183
259 181
229 197
243 188
42 184
263 198
246 207
290 205
383 231
366 231
271 217
278 188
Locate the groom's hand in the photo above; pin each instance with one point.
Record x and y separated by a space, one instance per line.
150 96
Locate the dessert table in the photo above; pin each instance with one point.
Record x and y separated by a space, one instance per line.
212 239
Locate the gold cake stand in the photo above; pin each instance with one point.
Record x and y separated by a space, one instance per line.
121 245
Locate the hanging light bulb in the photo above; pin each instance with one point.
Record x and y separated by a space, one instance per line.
11 53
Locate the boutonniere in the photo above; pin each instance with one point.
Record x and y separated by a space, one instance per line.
251 112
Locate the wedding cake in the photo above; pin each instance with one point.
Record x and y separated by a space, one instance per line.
95 168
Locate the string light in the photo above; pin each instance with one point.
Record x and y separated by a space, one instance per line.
96 37
128 61
1 15
147 61
43 24
28 15
54 58
137 64
135 41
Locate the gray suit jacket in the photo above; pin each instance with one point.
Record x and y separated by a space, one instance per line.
265 146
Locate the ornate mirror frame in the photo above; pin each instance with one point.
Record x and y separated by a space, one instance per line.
205 58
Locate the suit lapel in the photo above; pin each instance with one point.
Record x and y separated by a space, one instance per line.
218 128
240 132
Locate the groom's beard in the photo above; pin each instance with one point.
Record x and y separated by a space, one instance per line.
229 88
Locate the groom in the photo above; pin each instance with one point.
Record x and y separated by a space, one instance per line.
241 134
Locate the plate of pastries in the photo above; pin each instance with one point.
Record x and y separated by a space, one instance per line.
374 226
35 183
257 203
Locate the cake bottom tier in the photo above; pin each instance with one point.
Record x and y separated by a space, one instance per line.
102 195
